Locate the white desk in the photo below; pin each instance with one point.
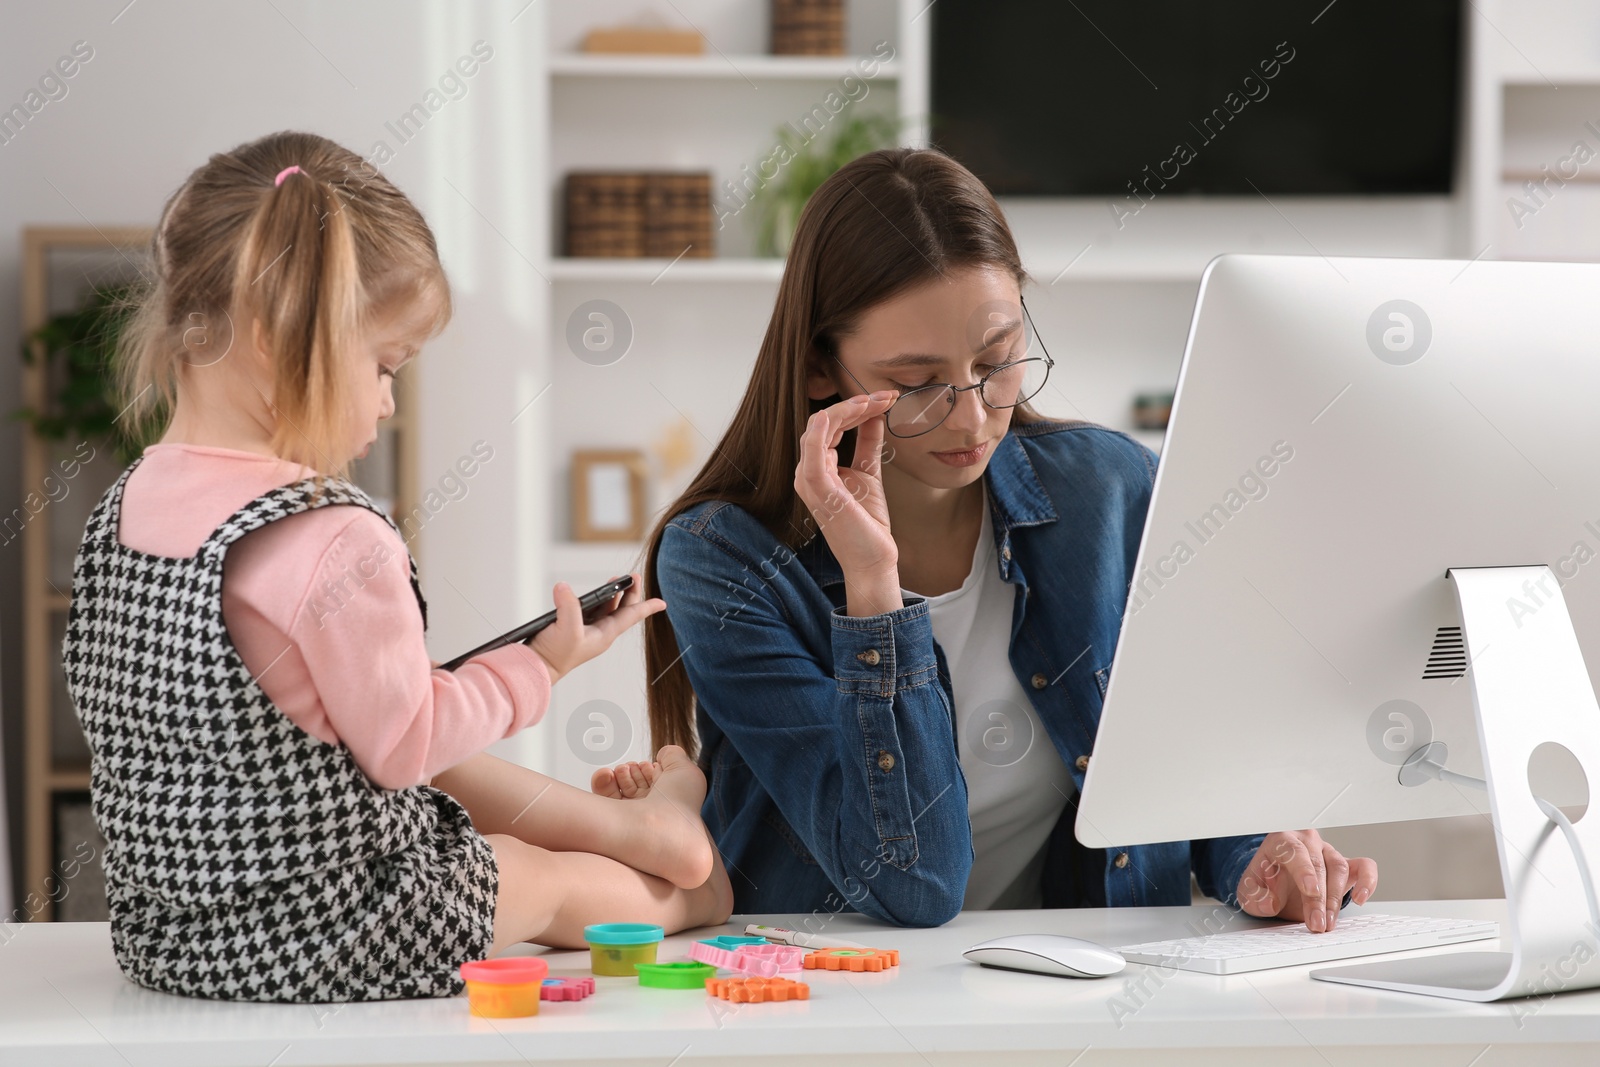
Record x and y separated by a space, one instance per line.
64 1002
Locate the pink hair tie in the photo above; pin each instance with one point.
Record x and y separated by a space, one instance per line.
284 173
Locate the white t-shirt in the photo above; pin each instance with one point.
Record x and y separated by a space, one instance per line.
1017 784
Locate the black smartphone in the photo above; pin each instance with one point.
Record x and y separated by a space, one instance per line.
595 603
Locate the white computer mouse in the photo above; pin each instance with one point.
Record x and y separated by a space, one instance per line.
1057 954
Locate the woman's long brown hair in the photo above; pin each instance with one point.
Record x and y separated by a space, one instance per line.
882 224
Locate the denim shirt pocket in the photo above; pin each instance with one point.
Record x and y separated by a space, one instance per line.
733 784
1102 678
780 826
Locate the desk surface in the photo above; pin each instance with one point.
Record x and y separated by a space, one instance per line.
63 1001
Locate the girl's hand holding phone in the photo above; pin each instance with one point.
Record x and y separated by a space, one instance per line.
570 641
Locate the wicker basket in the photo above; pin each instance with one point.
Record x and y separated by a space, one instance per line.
808 27
663 214
677 215
605 214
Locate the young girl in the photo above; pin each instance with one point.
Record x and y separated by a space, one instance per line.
295 804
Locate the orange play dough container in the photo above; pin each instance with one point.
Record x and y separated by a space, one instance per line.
506 988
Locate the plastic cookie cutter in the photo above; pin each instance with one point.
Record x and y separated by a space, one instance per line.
852 959
757 990
731 942
747 955
722 951
566 988
679 974
773 959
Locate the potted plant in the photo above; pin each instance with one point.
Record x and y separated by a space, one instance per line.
82 344
811 163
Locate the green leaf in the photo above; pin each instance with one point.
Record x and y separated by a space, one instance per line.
781 201
79 347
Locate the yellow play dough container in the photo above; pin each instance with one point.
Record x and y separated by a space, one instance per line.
506 988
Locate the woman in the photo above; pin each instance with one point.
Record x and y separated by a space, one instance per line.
894 591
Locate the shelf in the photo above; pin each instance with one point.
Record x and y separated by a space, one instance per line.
1110 266
1518 175
1549 258
57 602
1577 77
738 67
68 778
650 271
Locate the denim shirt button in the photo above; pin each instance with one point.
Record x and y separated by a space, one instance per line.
1040 681
870 657
1005 553
885 762
1121 861
1082 763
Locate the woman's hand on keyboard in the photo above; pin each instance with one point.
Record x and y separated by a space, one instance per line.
1297 875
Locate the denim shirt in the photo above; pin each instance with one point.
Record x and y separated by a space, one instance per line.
829 740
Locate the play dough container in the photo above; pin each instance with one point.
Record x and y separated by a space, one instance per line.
615 948
505 988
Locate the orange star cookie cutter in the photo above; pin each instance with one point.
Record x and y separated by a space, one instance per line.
757 990
852 959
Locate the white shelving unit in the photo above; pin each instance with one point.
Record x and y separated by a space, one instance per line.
1543 102
696 322
1112 301
810 68
1536 96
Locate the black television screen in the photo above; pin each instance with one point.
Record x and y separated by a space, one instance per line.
1230 97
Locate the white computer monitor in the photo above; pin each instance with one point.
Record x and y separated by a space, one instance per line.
1345 432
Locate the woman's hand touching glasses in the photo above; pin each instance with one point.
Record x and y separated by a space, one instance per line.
848 504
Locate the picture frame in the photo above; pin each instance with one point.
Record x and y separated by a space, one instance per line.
608 495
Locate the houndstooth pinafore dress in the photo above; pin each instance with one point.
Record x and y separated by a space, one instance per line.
246 859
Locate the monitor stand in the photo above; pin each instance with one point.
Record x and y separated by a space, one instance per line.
1529 686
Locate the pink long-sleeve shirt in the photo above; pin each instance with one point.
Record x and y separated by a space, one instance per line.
320 607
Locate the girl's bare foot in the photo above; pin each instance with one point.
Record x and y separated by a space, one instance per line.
722 890
627 781
668 836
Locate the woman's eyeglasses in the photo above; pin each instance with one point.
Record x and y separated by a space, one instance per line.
923 409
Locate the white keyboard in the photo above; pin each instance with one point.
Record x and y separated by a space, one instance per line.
1291 944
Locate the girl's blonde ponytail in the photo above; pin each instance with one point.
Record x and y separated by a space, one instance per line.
297 275
314 258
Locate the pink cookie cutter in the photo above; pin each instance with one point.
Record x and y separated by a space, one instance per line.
783 957
566 988
763 961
